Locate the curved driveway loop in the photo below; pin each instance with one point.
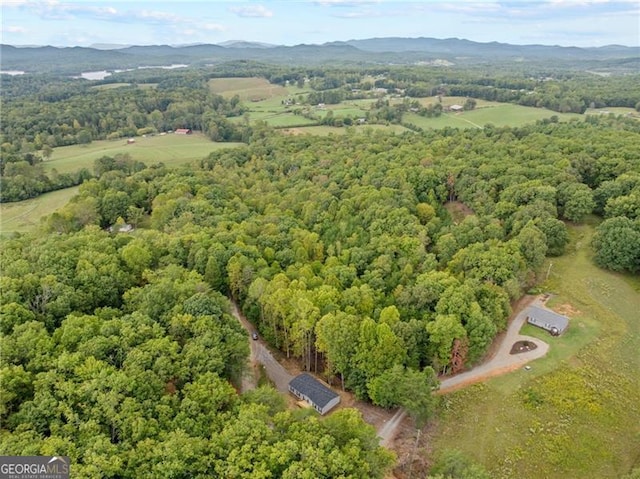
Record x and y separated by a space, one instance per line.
502 362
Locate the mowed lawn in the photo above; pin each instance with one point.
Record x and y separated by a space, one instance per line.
576 413
170 149
24 216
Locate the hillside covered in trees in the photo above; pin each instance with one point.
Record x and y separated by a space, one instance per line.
118 349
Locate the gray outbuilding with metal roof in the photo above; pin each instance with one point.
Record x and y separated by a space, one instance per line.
309 389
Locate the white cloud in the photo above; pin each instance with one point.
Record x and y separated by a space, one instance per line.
345 3
569 3
251 11
55 10
151 16
213 27
13 29
365 13
471 8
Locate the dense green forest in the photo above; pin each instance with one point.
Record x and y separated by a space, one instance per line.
375 260
341 250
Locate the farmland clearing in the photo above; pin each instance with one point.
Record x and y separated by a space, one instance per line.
24 216
576 412
170 149
283 107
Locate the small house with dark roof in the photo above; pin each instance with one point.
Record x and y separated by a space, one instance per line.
546 319
309 389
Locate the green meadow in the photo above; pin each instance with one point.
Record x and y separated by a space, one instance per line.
248 89
501 114
24 216
267 102
170 149
576 412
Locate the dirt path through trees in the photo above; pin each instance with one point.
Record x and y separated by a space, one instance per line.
260 355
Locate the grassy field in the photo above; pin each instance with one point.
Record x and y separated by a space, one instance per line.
277 119
576 413
25 215
248 89
613 110
504 114
266 102
448 101
170 149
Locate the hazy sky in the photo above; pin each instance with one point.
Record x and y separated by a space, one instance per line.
144 22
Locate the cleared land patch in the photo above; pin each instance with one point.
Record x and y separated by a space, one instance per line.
504 114
170 149
24 216
328 130
575 413
248 89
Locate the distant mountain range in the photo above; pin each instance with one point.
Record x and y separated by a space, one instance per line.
369 51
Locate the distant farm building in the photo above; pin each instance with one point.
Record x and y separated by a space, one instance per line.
546 319
309 389
131 141
183 131
456 108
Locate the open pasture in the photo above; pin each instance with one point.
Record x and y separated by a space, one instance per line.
504 114
170 149
24 216
575 413
323 130
448 101
248 89
630 112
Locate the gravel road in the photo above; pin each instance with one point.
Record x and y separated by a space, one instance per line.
260 354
